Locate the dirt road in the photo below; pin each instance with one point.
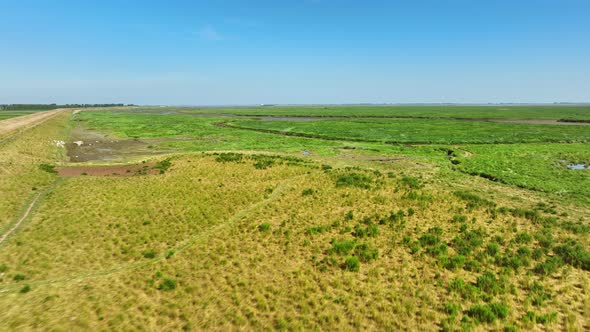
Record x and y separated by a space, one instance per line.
13 125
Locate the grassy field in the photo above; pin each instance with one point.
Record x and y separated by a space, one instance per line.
425 131
547 112
258 230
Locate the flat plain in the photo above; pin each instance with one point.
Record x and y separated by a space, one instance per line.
298 218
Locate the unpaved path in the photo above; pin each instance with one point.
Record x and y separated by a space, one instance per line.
19 123
22 218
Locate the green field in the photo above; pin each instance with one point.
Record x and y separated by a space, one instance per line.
425 131
341 224
546 112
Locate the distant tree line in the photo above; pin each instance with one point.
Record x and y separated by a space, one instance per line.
21 107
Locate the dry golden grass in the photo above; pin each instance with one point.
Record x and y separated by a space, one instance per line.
20 157
246 255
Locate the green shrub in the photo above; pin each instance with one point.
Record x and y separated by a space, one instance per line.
474 201
523 238
468 241
574 254
411 182
429 240
352 263
493 249
354 180
19 277
532 318
264 227
48 168
307 192
545 238
349 216
167 284
342 247
488 313
366 253
487 282
537 294
163 165
25 289
170 253
464 289
263 163
316 230
149 254
229 157
454 262
3 268
472 265
459 218
452 309
371 230
549 266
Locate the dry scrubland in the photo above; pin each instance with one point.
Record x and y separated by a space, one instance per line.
249 240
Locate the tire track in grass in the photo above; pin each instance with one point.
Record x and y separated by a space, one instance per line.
34 203
278 192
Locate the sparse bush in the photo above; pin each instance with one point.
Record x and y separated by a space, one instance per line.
411 182
149 254
537 294
454 262
574 254
229 157
366 253
163 165
493 249
488 313
264 227
452 309
488 283
307 192
25 289
357 180
429 240
459 218
342 247
3 268
48 168
316 230
371 230
474 201
170 253
352 263
549 266
523 238
472 265
464 289
531 318
19 277
167 284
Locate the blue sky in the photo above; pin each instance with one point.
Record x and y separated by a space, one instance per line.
294 51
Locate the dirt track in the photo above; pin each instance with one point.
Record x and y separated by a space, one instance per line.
12 125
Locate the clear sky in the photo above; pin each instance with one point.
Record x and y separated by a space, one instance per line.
294 51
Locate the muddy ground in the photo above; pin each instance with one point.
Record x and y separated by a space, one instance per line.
115 170
91 145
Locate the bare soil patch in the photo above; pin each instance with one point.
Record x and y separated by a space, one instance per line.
114 170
